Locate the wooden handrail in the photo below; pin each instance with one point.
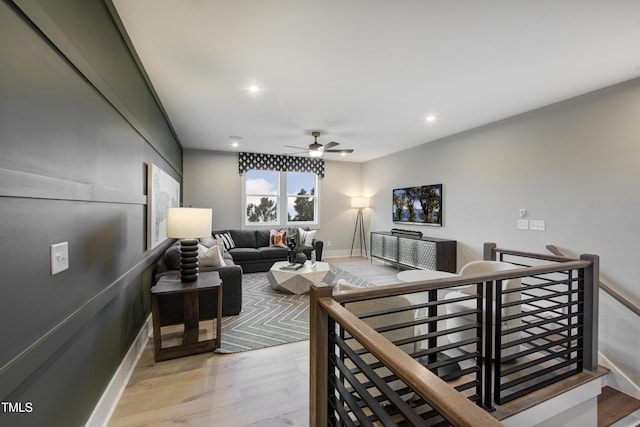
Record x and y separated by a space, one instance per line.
617 296
448 282
457 409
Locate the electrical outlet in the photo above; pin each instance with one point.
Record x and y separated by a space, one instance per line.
329 243
59 257
537 225
523 224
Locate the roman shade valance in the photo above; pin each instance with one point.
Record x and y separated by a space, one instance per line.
256 161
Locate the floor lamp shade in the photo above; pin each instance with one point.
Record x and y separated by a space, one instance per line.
188 224
359 202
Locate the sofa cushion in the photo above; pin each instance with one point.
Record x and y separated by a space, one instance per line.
262 238
278 238
273 252
244 254
244 238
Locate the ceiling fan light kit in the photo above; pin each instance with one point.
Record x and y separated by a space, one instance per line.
316 149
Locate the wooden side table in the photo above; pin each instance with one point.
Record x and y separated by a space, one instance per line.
190 345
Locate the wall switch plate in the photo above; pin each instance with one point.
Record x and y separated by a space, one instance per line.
59 257
523 224
537 225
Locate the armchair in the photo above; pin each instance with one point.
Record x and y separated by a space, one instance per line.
479 267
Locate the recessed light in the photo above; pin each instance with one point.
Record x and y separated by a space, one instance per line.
430 118
235 140
253 89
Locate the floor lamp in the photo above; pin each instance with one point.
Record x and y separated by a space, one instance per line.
359 203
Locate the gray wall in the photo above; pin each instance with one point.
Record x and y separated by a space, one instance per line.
78 125
573 164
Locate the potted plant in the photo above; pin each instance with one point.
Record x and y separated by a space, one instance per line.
295 244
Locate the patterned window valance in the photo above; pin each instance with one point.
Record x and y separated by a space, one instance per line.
248 161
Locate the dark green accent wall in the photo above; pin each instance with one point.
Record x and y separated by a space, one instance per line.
78 125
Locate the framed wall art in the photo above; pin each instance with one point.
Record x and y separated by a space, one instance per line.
163 192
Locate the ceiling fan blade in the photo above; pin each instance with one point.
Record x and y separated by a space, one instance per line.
344 150
330 145
299 148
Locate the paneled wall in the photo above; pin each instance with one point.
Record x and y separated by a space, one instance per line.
78 125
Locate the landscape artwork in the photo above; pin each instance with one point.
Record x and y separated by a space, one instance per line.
421 205
163 192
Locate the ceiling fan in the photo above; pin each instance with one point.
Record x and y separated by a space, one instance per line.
316 149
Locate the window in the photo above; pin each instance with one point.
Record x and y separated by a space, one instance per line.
280 198
261 197
301 197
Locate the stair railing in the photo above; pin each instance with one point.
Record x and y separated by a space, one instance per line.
613 293
365 372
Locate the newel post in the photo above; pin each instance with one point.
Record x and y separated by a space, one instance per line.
591 280
489 251
318 356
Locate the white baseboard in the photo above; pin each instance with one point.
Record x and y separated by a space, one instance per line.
107 403
340 253
618 379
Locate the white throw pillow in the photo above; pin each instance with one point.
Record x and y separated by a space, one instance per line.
308 236
210 257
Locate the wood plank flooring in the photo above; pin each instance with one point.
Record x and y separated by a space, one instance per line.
267 387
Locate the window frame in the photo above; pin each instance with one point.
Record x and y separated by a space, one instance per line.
282 197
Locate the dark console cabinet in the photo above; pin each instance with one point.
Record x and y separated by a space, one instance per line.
414 252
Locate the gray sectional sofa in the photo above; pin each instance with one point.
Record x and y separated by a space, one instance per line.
253 253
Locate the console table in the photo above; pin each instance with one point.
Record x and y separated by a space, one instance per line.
411 251
190 344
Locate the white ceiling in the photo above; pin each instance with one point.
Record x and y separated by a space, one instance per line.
366 73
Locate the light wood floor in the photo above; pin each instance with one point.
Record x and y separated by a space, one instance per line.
267 387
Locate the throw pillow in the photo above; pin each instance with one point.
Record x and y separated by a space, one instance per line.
307 236
210 257
278 238
172 257
226 239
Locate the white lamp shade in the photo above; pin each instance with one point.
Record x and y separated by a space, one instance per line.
188 223
359 202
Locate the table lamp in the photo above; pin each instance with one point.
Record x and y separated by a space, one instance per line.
188 224
359 203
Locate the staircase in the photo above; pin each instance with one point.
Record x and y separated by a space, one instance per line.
614 406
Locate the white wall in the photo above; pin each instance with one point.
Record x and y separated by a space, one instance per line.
574 164
211 180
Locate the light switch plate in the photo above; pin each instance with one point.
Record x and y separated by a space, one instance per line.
59 257
537 225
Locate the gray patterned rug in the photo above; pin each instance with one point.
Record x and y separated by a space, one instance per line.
269 317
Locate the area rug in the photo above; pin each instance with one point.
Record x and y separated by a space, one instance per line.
269 317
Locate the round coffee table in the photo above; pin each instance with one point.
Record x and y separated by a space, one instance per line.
299 281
